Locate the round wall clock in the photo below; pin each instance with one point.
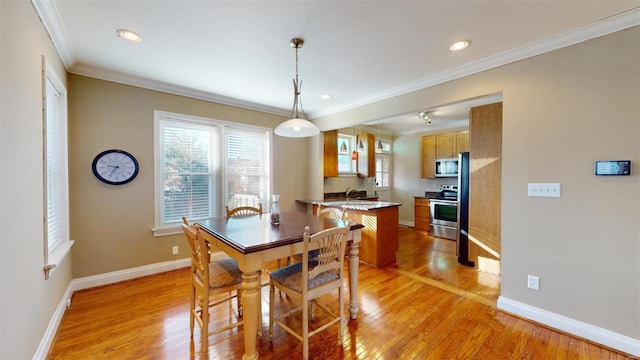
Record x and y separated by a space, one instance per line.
115 167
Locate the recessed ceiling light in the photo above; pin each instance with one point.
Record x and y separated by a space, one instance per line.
459 45
128 35
326 96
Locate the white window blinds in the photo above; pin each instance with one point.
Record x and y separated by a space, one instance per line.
203 165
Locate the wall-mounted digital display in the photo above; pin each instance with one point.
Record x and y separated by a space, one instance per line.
613 167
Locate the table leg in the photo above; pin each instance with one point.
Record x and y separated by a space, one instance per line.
353 278
251 306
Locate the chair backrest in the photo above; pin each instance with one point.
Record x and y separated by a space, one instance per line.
200 255
330 245
244 211
331 213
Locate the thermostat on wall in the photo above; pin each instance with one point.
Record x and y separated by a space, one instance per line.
613 167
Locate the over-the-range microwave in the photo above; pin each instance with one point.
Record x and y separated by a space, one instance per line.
446 167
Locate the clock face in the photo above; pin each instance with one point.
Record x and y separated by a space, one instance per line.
115 167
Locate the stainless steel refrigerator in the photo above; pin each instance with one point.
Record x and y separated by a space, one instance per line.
462 237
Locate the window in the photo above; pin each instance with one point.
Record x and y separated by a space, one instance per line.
346 145
203 165
383 166
56 174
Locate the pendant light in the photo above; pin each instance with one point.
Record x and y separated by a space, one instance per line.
298 125
360 143
354 153
379 146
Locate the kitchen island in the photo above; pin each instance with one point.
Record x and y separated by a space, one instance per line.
380 235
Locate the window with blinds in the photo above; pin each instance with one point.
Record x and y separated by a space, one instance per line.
203 165
56 177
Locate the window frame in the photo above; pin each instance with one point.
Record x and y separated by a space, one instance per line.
55 138
385 154
223 127
351 145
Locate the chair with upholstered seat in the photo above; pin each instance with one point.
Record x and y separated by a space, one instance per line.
244 211
309 279
210 279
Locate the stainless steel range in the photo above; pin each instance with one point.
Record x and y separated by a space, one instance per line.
444 212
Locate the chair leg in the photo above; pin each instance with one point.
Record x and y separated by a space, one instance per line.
341 298
272 293
305 330
192 310
239 302
204 330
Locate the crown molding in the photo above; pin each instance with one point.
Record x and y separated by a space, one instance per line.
50 18
141 82
600 28
48 14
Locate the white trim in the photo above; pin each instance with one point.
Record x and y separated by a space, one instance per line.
52 328
578 328
49 16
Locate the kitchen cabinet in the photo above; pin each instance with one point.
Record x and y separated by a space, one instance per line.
422 217
441 146
331 153
367 158
428 157
444 146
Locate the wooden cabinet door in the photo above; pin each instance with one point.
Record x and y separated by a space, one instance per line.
428 157
421 216
462 142
331 153
444 146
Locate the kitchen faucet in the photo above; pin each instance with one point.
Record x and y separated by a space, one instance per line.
349 191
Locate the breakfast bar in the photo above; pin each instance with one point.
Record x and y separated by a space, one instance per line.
380 236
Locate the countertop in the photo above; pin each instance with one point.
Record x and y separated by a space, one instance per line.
362 205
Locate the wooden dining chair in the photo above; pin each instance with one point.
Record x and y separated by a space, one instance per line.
331 213
209 279
307 280
244 211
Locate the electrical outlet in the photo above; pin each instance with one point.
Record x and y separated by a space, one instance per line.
544 190
533 282
174 250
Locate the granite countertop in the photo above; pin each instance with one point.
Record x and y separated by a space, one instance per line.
363 205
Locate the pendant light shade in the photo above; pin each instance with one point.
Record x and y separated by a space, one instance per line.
298 125
379 146
360 145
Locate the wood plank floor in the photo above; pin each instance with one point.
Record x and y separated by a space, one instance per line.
423 307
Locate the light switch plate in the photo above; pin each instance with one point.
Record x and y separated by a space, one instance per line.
544 190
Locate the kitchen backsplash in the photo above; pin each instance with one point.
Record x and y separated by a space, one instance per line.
340 184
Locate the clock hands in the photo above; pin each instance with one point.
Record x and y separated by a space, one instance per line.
114 168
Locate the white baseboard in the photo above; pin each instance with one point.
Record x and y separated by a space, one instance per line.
407 223
128 274
578 328
52 328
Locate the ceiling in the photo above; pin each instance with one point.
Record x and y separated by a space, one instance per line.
238 52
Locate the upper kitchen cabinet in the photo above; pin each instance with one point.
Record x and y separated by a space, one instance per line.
428 157
449 145
441 146
331 153
367 159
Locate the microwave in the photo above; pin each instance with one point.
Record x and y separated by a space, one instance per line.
446 167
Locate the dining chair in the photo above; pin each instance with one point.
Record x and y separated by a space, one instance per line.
244 211
331 213
209 279
307 280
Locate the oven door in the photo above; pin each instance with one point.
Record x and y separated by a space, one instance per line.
444 212
444 218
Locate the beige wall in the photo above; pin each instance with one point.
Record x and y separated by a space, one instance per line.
562 111
27 301
112 224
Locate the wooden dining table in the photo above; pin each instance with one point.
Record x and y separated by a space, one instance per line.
253 240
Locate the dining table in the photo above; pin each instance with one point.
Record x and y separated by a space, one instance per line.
253 240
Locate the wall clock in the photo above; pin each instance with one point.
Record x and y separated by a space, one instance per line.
115 167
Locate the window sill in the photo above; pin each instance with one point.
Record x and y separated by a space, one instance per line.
167 231
347 174
56 256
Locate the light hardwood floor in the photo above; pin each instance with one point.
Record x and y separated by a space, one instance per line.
423 307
